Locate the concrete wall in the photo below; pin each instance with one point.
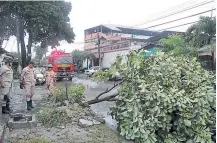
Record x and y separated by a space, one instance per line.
111 56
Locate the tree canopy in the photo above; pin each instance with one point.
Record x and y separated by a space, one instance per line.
44 22
165 98
202 32
176 45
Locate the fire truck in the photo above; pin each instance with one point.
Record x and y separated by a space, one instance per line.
63 64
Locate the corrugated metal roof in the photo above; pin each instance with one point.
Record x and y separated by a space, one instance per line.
111 26
116 27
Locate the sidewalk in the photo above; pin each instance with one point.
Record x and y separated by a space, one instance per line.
18 101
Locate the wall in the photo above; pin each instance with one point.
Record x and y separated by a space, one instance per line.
110 57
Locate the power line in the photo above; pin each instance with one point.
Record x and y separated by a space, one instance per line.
179 19
170 9
183 10
178 26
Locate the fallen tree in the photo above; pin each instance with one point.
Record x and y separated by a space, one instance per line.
162 99
107 98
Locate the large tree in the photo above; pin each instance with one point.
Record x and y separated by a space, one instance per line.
202 32
44 22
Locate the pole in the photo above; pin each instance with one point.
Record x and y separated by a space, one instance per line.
18 49
98 46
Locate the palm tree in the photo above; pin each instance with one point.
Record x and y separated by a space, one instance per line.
202 32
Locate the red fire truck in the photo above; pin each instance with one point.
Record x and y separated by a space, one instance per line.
63 64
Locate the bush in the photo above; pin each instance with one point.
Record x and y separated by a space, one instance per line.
59 94
164 99
75 94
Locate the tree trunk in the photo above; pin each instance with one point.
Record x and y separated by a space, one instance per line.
22 42
87 64
29 47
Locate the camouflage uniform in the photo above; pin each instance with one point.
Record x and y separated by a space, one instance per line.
50 80
6 79
28 78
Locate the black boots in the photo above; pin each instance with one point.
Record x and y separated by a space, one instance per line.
4 110
8 107
29 105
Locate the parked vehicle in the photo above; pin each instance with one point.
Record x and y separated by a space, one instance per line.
40 77
92 70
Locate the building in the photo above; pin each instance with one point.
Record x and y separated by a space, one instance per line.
114 40
152 43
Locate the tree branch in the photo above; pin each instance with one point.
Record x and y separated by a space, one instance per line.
108 90
108 98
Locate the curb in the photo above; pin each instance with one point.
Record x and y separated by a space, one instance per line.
3 137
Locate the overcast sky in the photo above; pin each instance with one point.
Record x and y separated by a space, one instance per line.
89 13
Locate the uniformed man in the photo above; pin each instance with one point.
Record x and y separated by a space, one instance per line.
6 81
50 79
28 80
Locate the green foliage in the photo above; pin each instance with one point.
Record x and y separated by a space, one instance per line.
59 94
202 32
53 116
172 42
102 75
47 21
164 99
75 94
30 140
44 22
176 45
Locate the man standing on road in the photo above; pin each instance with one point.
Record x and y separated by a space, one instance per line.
28 79
50 79
6 81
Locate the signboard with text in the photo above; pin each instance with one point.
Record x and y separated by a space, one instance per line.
114 47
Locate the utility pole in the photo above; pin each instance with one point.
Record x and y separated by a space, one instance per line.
98 46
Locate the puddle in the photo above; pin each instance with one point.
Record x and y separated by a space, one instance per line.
86 82
112 123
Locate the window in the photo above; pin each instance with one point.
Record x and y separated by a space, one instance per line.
63 60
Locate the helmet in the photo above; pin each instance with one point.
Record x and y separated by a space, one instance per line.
50 66
32 63
8 59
